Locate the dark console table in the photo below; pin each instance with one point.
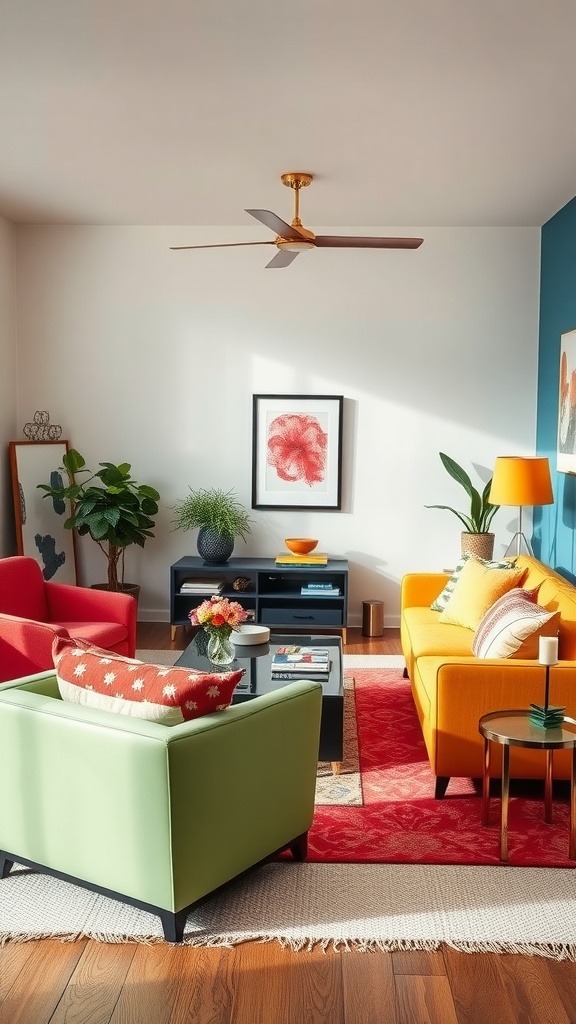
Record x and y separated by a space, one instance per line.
273 596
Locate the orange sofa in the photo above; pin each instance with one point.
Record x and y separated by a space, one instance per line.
452 688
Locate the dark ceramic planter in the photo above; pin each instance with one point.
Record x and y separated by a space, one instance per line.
214 547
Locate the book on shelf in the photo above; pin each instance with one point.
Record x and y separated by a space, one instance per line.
316 592
319 585
192 586
309 561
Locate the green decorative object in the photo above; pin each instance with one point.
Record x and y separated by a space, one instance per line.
547 717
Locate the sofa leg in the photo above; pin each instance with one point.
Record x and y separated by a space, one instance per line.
441 786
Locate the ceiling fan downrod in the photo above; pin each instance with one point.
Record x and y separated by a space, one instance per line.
296 180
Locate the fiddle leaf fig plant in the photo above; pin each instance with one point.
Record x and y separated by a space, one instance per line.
109 506
481 512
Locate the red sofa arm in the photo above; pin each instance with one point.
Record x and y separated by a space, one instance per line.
67 603
25 646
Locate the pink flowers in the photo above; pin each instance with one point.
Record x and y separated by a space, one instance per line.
218 612
297 448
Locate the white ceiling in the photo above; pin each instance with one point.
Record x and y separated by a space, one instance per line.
409 112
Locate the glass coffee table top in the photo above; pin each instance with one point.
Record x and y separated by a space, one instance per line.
257 663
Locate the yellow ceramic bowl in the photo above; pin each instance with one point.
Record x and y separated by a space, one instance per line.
300 545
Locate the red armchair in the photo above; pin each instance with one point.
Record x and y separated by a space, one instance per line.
32 611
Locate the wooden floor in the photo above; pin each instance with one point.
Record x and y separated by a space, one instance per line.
88 982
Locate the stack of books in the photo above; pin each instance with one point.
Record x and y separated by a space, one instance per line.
286 558
319 590
292 662
205 587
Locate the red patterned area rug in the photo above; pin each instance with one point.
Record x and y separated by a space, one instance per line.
401 822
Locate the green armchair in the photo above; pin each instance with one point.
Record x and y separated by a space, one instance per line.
153 815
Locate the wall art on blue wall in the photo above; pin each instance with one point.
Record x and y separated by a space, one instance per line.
566 459
40 521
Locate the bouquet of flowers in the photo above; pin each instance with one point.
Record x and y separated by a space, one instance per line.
218 613
218 617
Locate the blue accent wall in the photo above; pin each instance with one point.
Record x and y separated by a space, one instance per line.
554 538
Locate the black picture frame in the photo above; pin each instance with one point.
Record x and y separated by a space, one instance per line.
297 452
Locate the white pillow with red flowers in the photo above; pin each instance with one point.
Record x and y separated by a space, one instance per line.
159 693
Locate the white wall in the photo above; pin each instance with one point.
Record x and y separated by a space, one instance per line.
152 357
8 406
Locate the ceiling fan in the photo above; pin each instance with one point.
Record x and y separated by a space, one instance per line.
292 239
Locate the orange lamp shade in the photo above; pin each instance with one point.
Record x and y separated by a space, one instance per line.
521 480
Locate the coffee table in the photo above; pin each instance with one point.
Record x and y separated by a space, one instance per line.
257 680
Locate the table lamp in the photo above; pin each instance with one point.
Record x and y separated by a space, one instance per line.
521 480
547 716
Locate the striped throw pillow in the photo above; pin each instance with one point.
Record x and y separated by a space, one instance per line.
512 627
440 602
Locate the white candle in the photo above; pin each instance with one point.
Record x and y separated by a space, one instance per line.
548 650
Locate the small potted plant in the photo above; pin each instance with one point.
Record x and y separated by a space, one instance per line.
220 518
476 537
109 506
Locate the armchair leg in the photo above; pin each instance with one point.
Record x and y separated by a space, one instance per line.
405 674
173 924
6 865
441 786
299 847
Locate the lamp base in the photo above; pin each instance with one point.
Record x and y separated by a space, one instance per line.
515 545
546 717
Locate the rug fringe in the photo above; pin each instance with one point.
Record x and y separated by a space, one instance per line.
552 951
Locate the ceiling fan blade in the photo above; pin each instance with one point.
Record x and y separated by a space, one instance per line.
355 242
220 245
283 258
275 223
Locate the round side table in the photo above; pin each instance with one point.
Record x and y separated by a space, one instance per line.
514 729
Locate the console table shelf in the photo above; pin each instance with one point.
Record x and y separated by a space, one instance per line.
273 597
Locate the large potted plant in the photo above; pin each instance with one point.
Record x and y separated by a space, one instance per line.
220 518
109 506
476 536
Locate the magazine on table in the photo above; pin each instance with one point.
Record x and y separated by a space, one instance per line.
291 658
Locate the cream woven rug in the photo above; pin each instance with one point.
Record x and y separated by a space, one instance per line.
340 906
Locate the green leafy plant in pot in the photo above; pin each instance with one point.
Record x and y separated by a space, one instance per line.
109 506
220 518
476 537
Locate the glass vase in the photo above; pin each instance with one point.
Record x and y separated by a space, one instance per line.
220 648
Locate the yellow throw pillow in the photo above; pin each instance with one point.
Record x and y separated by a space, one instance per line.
476 590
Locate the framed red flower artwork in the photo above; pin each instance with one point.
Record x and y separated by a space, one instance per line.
297 451
566 448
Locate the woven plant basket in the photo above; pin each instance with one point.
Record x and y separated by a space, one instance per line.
479 544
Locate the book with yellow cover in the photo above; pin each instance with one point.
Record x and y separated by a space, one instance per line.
287 558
